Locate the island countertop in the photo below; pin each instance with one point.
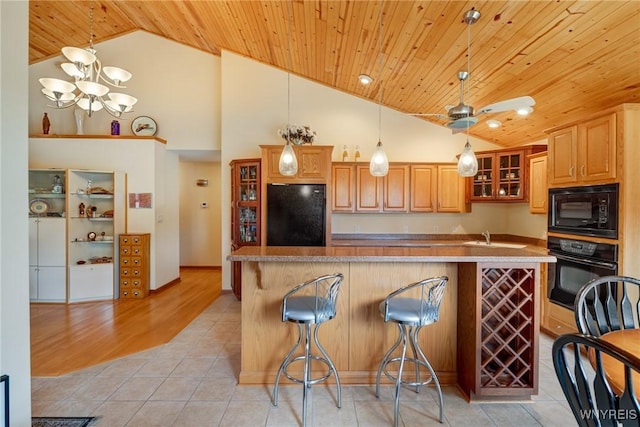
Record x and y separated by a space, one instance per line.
427 252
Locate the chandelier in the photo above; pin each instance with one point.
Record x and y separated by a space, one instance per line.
86 91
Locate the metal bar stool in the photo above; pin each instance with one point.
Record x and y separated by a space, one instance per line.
311 303
411 314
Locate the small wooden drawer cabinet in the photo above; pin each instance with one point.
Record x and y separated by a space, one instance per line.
134 265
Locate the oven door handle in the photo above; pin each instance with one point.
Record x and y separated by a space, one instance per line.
604 264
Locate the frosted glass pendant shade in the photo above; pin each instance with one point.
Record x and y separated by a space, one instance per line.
379 164
468 163
288 165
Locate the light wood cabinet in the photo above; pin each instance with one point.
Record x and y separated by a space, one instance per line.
408 187
246 197
451 190
314 164
423 188
584 152
538 189
502 175
134 265
382 194
343 187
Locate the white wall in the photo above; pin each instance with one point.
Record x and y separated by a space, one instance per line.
14 261
176 85
253 109
200 242
150 168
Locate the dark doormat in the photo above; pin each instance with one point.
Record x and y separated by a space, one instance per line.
61 421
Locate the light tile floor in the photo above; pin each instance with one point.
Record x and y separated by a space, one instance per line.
191 381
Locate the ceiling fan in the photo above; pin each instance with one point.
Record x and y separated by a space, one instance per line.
463 116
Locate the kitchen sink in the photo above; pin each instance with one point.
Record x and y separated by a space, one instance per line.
494 244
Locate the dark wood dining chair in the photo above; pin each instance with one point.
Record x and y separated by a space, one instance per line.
591 397
606 304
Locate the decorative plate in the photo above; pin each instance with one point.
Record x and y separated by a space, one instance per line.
38 207
144 126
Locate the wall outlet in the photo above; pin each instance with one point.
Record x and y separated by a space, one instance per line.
436 229
356 228
405 229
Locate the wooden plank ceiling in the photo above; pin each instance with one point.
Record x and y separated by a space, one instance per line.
573 57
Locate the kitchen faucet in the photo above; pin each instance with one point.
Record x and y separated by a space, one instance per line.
487 236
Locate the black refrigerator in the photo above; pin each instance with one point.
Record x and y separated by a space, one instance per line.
296 214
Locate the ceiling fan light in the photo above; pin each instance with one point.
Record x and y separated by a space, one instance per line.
494 123
524 111
365 79
462 123
467 163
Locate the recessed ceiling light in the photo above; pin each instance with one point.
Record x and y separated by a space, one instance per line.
365 79
494 123
524 111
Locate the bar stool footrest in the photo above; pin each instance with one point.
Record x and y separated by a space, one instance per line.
393 376
313 380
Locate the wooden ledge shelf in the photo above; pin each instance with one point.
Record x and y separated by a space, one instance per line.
156 138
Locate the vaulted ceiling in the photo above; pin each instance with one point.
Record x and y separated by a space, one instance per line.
574 58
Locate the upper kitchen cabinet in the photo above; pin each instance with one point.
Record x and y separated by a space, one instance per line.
437 188
314 164
408 187
382 194
343 187
502 175
538 188
583 152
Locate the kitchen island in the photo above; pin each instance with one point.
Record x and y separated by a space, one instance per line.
486 339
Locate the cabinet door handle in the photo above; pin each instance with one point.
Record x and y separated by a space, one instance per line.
571 171
582 170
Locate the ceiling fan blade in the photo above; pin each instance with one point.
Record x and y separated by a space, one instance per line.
508 104
437 115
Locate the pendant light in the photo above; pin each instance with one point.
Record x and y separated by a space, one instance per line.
468 163
379 165
288 165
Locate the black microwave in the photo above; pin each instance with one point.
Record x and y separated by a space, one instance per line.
586 211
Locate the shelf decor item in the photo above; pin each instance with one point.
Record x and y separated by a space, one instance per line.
46 124
297 134
144 126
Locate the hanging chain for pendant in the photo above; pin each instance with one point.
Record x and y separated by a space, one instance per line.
380 70
288 70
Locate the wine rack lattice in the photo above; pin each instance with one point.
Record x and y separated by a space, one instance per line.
507 348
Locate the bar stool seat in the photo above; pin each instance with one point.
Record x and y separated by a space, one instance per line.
310 304
410 314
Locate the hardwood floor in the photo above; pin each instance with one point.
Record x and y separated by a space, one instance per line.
68 337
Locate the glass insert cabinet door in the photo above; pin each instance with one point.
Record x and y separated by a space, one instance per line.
246 202
509 172
500 177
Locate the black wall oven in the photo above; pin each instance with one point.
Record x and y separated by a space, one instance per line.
586 211
578 262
